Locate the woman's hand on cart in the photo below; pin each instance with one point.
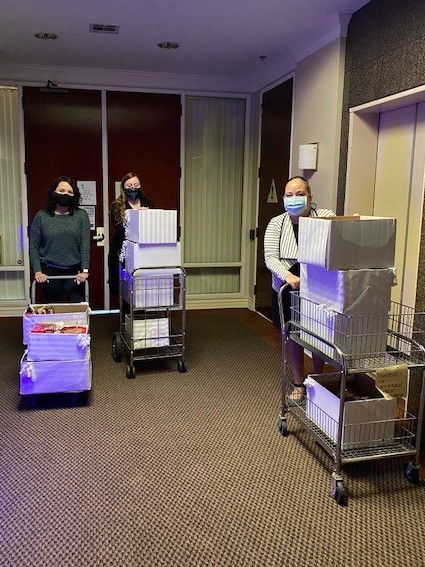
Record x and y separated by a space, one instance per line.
293 281
40 277
81 277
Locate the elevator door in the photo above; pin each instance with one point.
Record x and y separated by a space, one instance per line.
399 186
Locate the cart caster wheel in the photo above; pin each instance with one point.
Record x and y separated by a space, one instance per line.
130 371
411 473
116 347
33 401
282 425
340 495
73 398
181 366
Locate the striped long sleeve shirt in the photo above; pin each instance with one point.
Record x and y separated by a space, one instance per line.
280 246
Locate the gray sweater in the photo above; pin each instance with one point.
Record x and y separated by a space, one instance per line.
62 240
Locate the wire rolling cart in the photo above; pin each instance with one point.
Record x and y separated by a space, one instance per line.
152 317
355 346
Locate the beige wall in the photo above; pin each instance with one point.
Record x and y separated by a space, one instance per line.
318 92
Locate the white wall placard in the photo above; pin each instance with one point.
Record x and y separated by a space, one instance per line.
307 158
91 211
88 192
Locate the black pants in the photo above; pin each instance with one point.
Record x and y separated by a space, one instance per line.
66 290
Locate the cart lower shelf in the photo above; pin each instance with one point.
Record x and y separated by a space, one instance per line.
391 448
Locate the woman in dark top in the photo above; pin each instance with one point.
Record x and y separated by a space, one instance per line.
60 243
131 198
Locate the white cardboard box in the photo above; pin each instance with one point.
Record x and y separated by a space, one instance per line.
58 346
48 377
149 333
358 336
366 422
352 292
347 243
63 314
151 226
151 288
151 255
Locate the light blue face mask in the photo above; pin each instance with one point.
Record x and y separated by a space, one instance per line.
296 205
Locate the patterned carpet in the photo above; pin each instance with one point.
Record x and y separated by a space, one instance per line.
189 469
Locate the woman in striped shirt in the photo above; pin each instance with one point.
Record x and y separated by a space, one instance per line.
280 253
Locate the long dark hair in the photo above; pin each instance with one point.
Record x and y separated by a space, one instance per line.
50 199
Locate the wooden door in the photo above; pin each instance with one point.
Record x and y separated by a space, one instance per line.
63 136
274 172
144 137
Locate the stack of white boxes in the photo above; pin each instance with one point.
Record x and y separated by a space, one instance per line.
346 266
151 239
58 356
347 272
151 248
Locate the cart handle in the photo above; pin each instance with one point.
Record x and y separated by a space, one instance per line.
280 304
34 283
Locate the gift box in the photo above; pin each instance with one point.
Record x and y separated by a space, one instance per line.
149 333
149 288
355 292
48 377
151 255
355 335
46 343
347 243
368 418
151 226
61 314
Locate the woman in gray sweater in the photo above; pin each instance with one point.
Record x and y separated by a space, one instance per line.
60 243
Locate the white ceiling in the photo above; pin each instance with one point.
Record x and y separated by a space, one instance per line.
221 38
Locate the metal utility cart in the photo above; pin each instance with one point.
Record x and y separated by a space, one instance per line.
357 347
152 317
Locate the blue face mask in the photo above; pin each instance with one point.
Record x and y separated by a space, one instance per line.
296 205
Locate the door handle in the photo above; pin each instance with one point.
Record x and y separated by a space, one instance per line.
99 237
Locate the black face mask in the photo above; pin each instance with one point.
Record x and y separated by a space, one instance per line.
63 200
132 194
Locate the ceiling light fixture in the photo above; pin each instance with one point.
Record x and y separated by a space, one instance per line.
168 45
46 36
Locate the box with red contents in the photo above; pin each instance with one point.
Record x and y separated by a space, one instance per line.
53 342
60 314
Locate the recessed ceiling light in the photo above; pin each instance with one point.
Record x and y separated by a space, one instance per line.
168 45
47 36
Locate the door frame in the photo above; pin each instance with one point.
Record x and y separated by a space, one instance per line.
362 152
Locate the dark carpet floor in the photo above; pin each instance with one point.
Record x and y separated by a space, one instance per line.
189 469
